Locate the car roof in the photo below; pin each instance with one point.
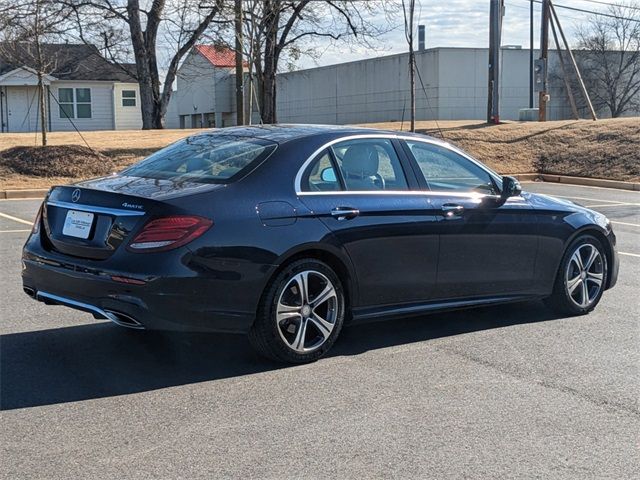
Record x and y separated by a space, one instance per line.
281 133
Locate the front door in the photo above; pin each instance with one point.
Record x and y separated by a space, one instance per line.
486 249
361 190
22 108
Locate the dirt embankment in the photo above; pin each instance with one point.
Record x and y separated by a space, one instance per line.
607 149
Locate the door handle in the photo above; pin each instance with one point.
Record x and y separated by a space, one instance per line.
452 210
345 213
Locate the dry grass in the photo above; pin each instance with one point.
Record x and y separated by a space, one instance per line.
605 149
122 147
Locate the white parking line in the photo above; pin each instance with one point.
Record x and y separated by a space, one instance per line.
629 254
586 198
610 204
15 219
625 223
571 185
14 231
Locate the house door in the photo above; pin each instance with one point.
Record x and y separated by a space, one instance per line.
22 109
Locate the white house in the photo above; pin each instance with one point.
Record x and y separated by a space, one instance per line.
205 95
84 91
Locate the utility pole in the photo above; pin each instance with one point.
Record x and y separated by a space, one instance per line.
239 65
495 35
531 54
565 77
583 88
408 10
544 61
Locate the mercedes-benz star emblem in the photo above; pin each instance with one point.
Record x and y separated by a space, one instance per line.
75 196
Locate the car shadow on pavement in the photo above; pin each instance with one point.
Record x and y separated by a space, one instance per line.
102 360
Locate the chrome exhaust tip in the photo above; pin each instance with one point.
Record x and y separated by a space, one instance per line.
29 291
123 320
118 318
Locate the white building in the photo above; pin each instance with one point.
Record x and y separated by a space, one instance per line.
205 88
452 85
84 91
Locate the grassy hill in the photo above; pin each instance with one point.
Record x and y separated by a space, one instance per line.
604 149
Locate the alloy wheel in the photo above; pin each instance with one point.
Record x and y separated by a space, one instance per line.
307 310
585 275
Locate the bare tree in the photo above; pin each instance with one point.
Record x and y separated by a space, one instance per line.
281 31
24 29
610 58
144 30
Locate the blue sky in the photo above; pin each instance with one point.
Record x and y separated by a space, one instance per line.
462 23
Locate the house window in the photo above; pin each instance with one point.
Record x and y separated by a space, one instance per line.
128 98
65 98
74 103
83 102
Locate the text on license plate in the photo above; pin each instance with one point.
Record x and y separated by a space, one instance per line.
77 224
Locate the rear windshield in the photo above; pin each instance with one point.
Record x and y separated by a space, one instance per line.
204 159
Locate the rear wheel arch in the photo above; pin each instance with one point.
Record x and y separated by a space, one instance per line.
341 266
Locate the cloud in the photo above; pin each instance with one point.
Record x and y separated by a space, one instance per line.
457 23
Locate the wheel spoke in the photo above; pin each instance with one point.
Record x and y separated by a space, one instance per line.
298 342
573 284
302 279
326 294
595 278
593 255
323 326
585 295
577 259
287 312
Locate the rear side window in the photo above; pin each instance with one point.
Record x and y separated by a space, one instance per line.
204 159
446 170
321 176
370 165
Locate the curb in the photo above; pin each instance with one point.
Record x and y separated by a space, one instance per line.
591 182
523 177
568 180
26 193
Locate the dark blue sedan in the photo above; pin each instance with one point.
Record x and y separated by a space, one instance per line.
289 232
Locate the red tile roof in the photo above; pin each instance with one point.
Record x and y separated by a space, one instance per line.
218 56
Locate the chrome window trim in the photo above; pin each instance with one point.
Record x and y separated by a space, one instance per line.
365 136
95 209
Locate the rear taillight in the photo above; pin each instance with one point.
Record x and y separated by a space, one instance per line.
36 222
169 232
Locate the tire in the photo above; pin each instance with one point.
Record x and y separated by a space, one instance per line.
288 327
569 291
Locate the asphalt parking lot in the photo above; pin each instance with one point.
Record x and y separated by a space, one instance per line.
504 392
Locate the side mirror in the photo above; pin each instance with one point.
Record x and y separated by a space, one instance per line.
510 188
328 175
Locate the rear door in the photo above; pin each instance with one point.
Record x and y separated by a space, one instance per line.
367 195
486 249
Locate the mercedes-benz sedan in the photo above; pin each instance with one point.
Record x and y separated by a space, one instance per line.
286 233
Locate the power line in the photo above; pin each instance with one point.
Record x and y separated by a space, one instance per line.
592 12
600 2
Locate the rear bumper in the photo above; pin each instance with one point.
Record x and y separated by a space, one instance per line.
184 301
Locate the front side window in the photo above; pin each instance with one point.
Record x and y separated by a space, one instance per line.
204 159
128 98
369 165
74 102
446 170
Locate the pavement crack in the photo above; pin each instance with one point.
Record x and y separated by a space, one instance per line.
514 373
